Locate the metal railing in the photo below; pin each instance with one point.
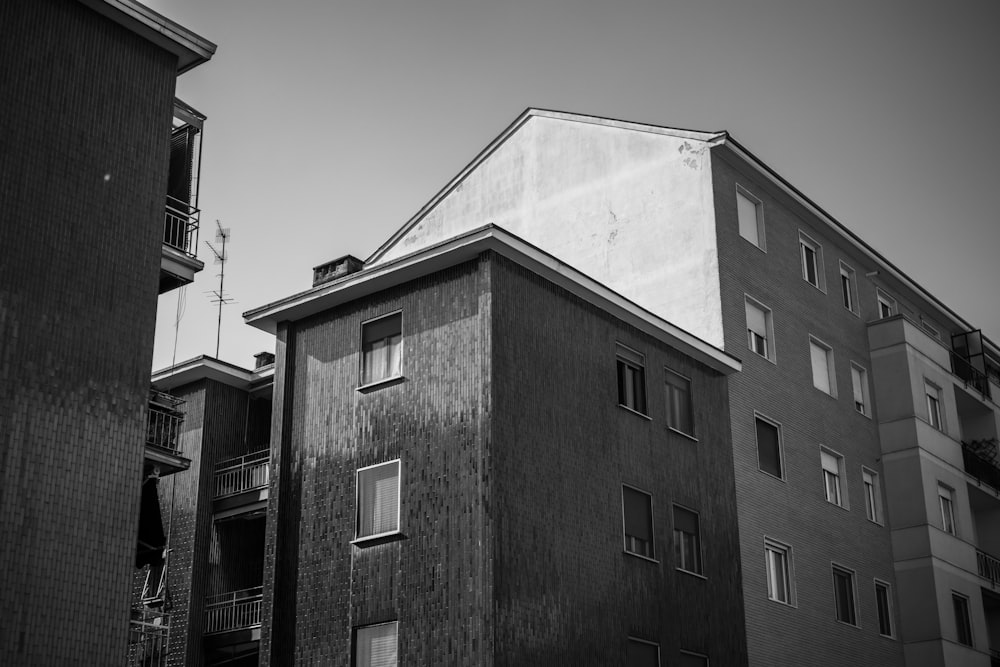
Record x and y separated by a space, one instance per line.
243 473
233 611
989 566
163 422
970 375
979 464
180 226
148 638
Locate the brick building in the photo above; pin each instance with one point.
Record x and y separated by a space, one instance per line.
91 236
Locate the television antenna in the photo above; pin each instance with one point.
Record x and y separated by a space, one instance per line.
222 236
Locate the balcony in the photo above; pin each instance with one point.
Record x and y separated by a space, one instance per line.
163 425
989 567
980 459
970 375
148 638
242 485
178 259
231 612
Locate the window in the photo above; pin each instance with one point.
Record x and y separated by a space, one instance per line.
378 500
822 367
833 466
637 508
679 403
946 502
690 659
631 379
687 540
849 288
641 653
873 495
779 580
750 212
886 304
768 447
811 254
843 593
883 604
933 405
381 348
859 385
375 645
760 330
963 622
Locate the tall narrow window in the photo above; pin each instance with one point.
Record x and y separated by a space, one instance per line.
641 653
883 604
843 591
768 447
963 621
873 495
679 403
759 329
832 465
886 304
378 500
779 581
687 540
946 502
812 261
933 405
631 379
859 385
637 508
849 288
750 213
375 645
381 348
822 366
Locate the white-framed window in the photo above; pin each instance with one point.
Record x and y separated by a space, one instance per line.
946 503
642 653
750 212
859 387
933 394
769 454
886 304
883 605
760 328
777 562
637 522
692 659
811 256
821 356
382 348
963 619
833 476
631 379
378 500
843 595
679 415
873 495
375 645
849 288
687 540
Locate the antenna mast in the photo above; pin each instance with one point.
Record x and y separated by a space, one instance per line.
222 235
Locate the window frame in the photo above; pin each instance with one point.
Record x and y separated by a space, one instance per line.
850 295
935 415
652 526
807 242
831 368
770 351
630 359
670 389
872 495
882 298
358 537
785 552
865 391
851 577
639 640
781 448
839 476
362 385
355 658
946 507
695 654
700 555
963 600
889 617
758 205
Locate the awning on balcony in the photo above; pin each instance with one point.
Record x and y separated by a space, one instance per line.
151 540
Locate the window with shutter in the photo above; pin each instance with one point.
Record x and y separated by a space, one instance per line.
382 349
638 520
375 645
768 447
378 500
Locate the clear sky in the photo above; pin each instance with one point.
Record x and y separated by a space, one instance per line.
330 122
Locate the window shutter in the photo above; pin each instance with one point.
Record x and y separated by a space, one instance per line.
378 510
181 163
638 515
768 448
382 328
756 320
376 646
820 367
685 521
830 463
857 385
747 213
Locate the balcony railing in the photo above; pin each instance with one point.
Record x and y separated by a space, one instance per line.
989 566
163 423
148 638
980 460
242 474
233 611
180 226
972 376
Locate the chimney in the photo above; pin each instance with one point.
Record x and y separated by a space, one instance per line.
263 359
338 268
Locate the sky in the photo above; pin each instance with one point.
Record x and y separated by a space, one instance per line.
330 123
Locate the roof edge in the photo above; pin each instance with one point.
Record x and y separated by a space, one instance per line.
204 367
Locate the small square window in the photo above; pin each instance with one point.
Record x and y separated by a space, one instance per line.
963 620
679 403
687 540
691 659
779 578
760 328
833 475
811 255
382 348
768 446
946 503
883 604
933 406
637 510
873 495
641 653
378 500
631 379
375 645
750 212
859 386
843 592
849 288
824 377
886 304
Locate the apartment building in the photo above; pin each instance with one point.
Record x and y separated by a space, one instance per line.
100 215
